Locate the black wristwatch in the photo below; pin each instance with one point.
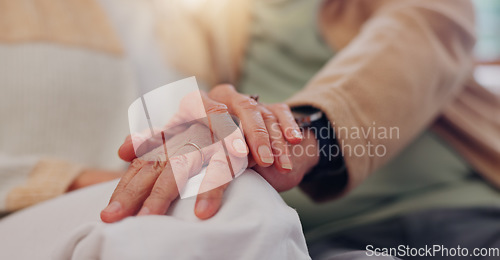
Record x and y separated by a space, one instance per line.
329 167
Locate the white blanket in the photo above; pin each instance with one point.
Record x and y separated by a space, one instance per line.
253 223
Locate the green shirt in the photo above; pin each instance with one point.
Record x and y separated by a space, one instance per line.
285 51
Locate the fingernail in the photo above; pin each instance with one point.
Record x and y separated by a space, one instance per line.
240 146
202 206
297 134
265 154
143 212
285 162
114 207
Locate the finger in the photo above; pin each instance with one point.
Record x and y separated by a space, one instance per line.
225 129
175 130
237 165
138 144
282 160
253 124
223 126
215 116
163 193
132 170
186 163
127 201
126 151
288 124
148 145
213 186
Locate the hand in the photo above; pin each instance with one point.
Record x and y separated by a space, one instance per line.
194 107
150 185
267 127
268 130
304 158
90 177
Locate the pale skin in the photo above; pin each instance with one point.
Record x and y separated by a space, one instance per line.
149 189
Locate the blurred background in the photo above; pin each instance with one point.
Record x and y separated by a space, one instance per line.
487 50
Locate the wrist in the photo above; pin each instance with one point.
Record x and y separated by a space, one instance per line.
306 154
311 149
328 161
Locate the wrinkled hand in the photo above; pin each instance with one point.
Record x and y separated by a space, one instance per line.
149 187
268 128
304 157
153 181
272 125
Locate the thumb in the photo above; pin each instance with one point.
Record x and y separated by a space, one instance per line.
126 151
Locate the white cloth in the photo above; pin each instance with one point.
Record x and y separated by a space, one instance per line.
253 223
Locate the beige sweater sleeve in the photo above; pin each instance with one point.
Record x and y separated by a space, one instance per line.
408 61
27 181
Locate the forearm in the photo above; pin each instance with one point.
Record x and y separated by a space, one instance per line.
406 63
30 180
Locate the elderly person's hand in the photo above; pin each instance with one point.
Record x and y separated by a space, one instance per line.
268 130
154 180
272 123
304 157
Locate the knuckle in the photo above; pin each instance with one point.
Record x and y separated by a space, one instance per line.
260 131
129 193
159 191
246 103
180 160
268 116
218 162
136 163
157 168
217 109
